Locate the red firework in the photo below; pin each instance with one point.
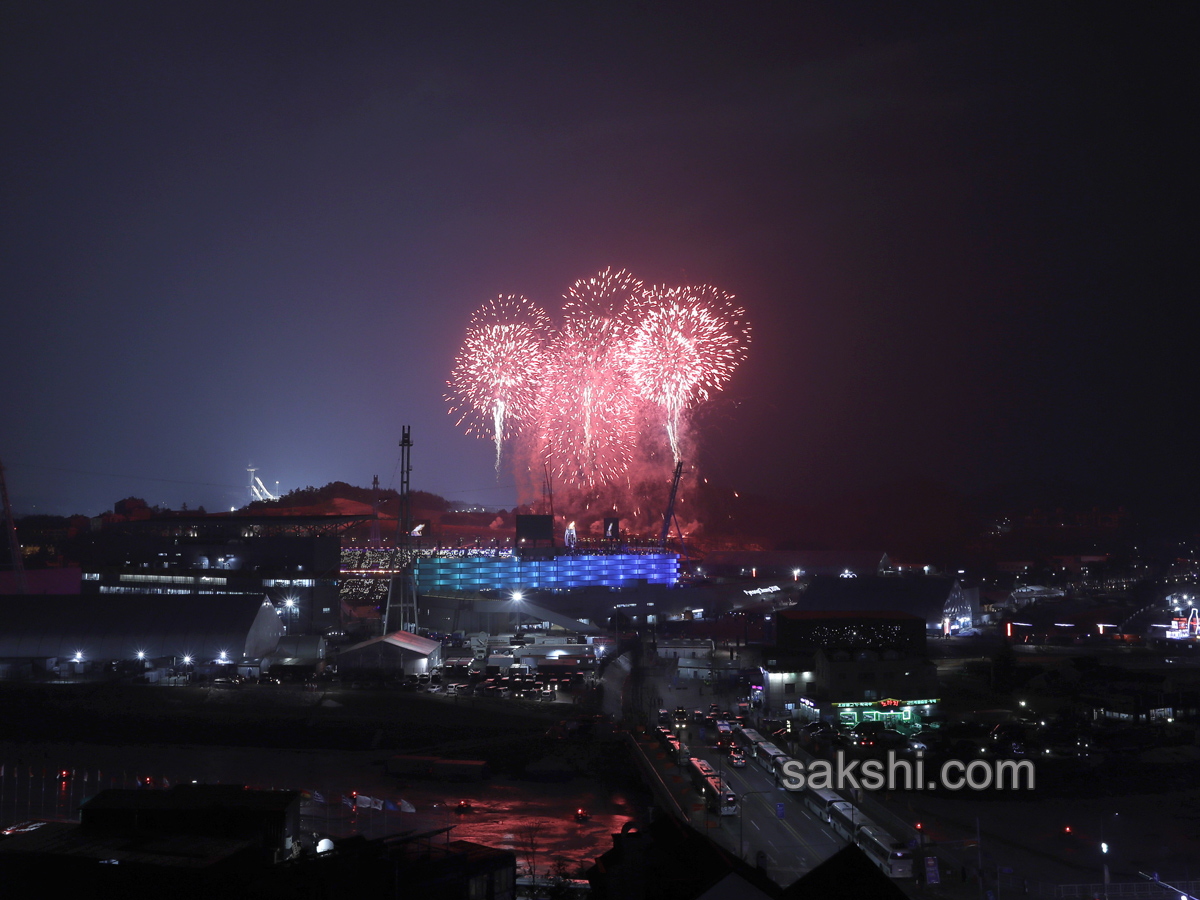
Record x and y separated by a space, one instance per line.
494 385
588 421
603 305
622 351
588 425
687 343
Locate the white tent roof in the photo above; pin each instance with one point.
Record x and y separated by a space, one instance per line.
404 640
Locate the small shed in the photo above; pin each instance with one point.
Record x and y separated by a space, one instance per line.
397 653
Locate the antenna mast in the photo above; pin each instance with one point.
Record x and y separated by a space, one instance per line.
405 562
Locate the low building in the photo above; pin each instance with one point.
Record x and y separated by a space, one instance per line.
829 627
78 632
398 653
848 667
942 603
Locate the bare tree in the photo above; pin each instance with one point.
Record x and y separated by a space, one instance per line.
528 839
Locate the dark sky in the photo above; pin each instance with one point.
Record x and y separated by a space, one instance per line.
255 232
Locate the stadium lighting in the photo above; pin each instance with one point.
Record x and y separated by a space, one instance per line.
141 654
187 660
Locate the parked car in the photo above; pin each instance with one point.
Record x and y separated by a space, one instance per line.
924 741
1014 739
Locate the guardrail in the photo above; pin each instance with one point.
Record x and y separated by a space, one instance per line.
1151 890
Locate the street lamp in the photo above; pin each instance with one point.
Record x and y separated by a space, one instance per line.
1104 849
741 811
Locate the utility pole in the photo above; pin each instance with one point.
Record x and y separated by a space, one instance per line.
14 546
979 855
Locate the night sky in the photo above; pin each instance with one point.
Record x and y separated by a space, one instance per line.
255 232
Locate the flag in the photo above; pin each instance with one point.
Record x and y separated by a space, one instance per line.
376 804
390 806
405 806
347 801
166 783
364 802
318 797
305 795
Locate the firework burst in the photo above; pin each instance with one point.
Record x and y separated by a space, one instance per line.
494 386
625 356
603 305
588 422
687 343
588 426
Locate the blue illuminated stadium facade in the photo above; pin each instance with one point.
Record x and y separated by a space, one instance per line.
560 573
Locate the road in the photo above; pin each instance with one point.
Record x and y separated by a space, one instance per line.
793 844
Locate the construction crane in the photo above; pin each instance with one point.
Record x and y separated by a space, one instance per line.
669 515
14 546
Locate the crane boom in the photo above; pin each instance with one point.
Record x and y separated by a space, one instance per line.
670 513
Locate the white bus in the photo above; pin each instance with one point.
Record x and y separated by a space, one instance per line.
749 738
893 857
699 771
779 762
767 754
845 818
678 751
820 801
719 797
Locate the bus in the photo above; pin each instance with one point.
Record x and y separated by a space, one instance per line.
892 857
699 771
719 797
678 751
820 801
845 818
779 762
724 741
766 754
750 739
